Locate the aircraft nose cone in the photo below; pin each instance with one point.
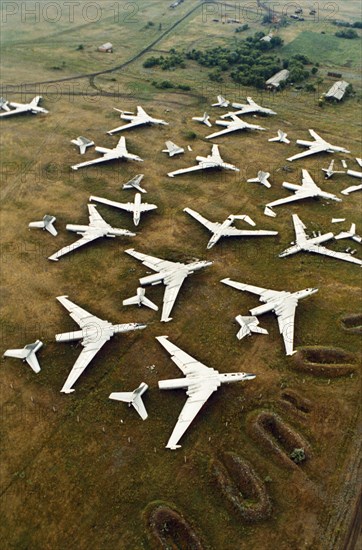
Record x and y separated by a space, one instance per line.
249 376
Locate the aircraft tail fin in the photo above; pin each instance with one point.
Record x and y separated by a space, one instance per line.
130 301
133 398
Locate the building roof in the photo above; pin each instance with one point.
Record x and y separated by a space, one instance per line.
277 78
338 90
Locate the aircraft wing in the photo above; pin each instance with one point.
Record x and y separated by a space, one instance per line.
85 239
195 401
319 148
132 124
94 161
215 154
16 111
151 261
285 312
185 362
222 132
78 314
200 166
337 255
173 284
299 228
85 357
211 226
265 294
95 219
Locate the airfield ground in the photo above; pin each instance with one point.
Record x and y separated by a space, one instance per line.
74 475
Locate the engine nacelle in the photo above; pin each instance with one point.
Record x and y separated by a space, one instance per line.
154 279
291 186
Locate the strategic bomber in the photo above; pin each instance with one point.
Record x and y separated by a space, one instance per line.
200 381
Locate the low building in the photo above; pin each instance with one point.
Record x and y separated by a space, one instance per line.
338 90
107 48
274 82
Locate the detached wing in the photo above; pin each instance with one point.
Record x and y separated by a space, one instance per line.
285 312
211 226
151 261
86 356
173 284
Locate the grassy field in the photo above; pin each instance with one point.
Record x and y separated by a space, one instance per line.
78 470
331 50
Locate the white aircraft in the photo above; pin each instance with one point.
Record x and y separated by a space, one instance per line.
46 224
354 173
133 398
134 183
171 274
94 333
281 137
82 142
200 383
137 207
96 229
204 119
20 108
351 234
319 145
359 161
140 299
119 152
28 354
248 108
172 149
233 125
306 190
248 325
282 303
313 244
351 189
225 230
139 119
4 104
204 163
221 102
261 178
329 172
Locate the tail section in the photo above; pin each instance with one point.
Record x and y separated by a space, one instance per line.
133 398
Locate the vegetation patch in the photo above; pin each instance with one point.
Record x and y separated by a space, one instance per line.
241 487
326 362
168 529
277 437
352 323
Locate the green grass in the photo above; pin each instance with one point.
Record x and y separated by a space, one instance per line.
327 49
